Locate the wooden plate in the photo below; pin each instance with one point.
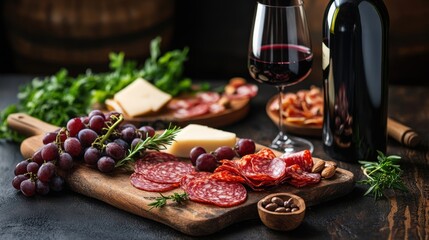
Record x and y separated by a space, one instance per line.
238 110
302 130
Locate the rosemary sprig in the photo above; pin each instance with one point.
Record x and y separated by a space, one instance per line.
157 142
162 200
382 175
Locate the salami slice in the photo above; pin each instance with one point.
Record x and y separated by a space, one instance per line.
244 91
227 176
188 177
169 172
139 182
219 193
142 165
300 178
303 159
193 111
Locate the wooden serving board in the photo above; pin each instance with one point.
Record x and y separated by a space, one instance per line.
237 110
190 218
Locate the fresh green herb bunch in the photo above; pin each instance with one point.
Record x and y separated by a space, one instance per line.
162 200
58 98
382 175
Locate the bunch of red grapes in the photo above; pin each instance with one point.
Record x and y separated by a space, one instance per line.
99 139
208 162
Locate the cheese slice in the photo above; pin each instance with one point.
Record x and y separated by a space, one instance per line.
141 97
195 135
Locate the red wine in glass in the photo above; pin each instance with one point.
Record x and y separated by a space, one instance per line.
280 55
281 64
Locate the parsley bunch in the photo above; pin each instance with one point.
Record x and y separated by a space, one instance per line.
56 99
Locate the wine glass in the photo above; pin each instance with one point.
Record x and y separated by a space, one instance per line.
280 55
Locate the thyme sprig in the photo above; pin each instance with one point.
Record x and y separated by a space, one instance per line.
157 142
382 175
162 200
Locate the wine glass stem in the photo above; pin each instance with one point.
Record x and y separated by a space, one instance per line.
281 125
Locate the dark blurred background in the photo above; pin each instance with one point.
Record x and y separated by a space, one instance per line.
39 37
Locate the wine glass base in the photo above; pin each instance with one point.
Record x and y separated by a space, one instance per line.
287 144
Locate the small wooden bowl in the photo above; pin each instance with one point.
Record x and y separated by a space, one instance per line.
282 221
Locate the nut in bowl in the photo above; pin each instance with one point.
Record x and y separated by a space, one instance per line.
282 211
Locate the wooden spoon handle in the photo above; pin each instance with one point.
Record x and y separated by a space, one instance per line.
402 133
28 125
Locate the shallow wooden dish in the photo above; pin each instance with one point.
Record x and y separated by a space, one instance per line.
161 120
302 130
282 221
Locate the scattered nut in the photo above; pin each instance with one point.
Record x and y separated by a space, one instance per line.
328 172
318 166
330 163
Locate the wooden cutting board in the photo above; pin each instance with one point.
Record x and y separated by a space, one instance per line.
190 218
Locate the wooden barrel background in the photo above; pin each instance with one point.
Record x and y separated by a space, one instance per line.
46 35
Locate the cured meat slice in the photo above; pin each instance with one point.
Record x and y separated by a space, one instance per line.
227 176
219 193
266 153
193 111
169 172
139 182
300 178
303 159
143 164
187 178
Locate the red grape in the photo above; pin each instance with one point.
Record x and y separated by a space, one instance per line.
42 188
147 131
49 152
49 137
28 187
73 146
17 180
57 183
206 162
91 155
96 112
115 151
87 137
37 157
46 171
32 167
74 125
224 152
195 153
65 161
106 164
128 134
21 167
245 146
97 123
122 143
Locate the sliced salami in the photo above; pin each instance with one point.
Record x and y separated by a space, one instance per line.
303 159
193 111
143 164
219 193
300 178
169 172
187 178
139 182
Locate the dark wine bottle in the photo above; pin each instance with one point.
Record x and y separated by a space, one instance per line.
355 66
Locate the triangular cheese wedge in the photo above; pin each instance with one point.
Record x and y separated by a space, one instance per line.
141 97
195 135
